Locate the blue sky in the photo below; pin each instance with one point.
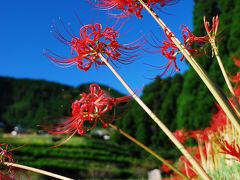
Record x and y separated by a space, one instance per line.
25 33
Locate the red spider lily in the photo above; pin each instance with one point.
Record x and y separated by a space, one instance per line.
5 177
219 120
180 135
188 171
6 157
232 149
170 51
237 92
5 153
190 38
89 109
236 78
129 7
237 61
165 168
186 168
92 40
202 135
215 23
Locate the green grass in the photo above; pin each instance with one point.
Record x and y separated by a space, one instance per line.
81 157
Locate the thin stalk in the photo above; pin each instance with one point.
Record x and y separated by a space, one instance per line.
39 171
229 85
148 150
218 95
194 163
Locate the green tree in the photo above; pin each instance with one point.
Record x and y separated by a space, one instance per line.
195 99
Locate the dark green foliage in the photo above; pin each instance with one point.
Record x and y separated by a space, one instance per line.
195 99
160 96
234 33
30 103
6 91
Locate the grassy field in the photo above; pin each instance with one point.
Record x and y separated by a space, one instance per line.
79 158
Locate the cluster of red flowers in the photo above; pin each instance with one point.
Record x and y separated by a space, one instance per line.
5 153
184 165
204 137
232 149
6 157
93 40
5 177
190 39
169 50
236 79
165 168
90 109
129 7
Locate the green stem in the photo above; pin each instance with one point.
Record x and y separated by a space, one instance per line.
148 150
39 171
229 85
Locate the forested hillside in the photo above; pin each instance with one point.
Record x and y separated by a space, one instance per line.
32 102
195 100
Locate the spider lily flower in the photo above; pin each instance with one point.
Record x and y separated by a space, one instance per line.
169 50
181 135
189 39
185 166
165 168
5 154
236 78
129 7
92 40
90 109
202 135
232 149
237 92
219 120
5 177
7 157
236 61
212 32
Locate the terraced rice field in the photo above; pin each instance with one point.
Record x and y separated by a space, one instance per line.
79 158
